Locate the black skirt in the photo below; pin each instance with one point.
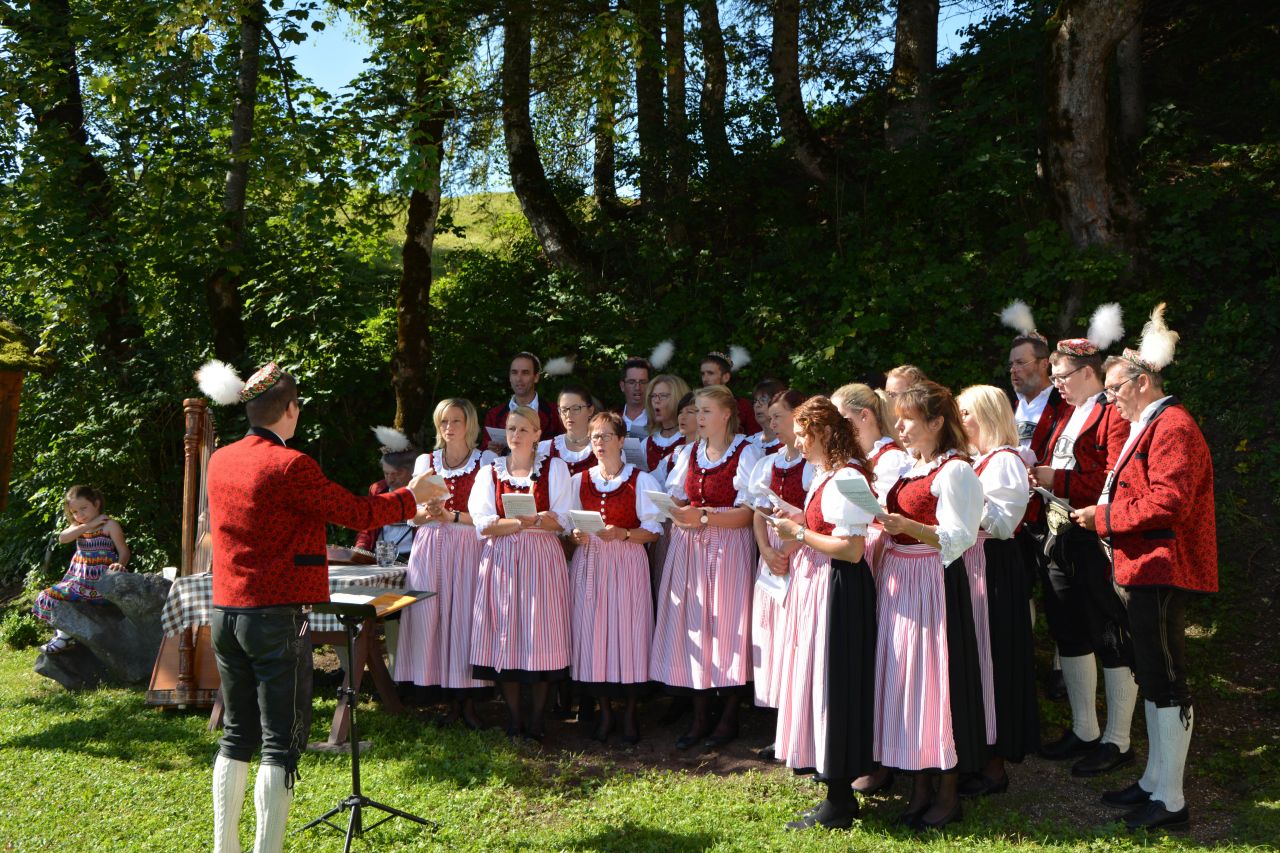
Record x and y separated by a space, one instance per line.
968 720
851 670
524 676
1009 582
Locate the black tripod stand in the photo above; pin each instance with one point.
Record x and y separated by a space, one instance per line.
352 616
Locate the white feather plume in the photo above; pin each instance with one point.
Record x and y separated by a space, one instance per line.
739 357
220 382
1017 316
559 366
1106 326
1158 340
661 355
392 439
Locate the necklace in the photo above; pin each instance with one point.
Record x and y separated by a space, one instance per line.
610 477
444 458
576 444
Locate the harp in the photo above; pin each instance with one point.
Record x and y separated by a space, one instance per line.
185 673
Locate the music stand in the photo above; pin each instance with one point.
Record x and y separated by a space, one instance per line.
352 615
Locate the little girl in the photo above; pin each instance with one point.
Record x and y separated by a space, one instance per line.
100 547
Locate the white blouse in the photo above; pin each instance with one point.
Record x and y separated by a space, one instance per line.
650 516
763 473
747 461
483 504
960 505
889 467
849 519
434 461
562 450
769 446
1007 491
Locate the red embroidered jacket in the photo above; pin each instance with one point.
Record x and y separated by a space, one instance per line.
268 505
1160 520
1103 434
1056 412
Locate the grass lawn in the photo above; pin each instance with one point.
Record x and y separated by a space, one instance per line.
102 771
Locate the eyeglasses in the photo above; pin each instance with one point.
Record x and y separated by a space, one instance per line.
1113 391
1023 362
659 398
1058 378
762 401
601 437
634 382
572 410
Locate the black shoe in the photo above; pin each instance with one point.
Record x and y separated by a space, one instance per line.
978 785
1131 796
1104 759
1056 686
1068 746
950 817
687 740
1153 815
884 785
911 818
767 754
827 816
717 741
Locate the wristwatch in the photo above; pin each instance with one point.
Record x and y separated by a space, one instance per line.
706 519
457 513
800 535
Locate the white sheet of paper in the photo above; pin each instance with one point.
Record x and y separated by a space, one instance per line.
350 597
1052 498
437 480
515 505
497 435
633 452
775 586
587 521
661 500
859 494
778 502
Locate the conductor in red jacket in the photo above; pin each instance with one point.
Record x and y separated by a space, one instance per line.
1156 511
268 506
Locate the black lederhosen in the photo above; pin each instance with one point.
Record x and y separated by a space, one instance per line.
1082 606
1157 620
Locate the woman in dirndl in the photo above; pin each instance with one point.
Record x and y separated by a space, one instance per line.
520 620
611 616
435 637
929 716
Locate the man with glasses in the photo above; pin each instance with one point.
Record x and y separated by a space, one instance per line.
635 379
1156 511
523 375
1086 616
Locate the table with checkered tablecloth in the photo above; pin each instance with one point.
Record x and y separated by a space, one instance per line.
190 602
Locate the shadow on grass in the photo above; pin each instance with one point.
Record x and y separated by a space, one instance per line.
635 838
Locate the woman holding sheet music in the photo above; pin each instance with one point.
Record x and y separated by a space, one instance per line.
828 670
611 617
435 639
702 634
520 623
786 474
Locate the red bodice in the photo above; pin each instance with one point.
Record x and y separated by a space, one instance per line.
460 485
654 453
813 518
618 507
788 483
541 488
585 463
914 498
713 486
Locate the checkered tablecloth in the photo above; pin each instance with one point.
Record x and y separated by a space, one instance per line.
190 601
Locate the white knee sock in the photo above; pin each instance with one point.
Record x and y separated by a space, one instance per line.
271 800
1057 658
1081 674
1151 776
1175 739
229 781
1122 695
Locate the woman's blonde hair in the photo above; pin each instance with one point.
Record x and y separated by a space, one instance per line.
990 407
721 396
856 396
528 414
471 420
678 389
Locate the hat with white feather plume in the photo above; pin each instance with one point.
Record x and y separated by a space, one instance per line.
221 384
1155 353
1017 316
1105 328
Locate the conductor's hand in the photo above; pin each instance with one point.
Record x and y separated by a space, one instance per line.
424 491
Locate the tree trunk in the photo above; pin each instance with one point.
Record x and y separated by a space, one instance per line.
411 362
558 236
810 151
1132 96
43 38
1095 204
715 82
650 110
915 60
604 179
223 288
677 120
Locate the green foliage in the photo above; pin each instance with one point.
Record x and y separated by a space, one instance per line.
19 629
